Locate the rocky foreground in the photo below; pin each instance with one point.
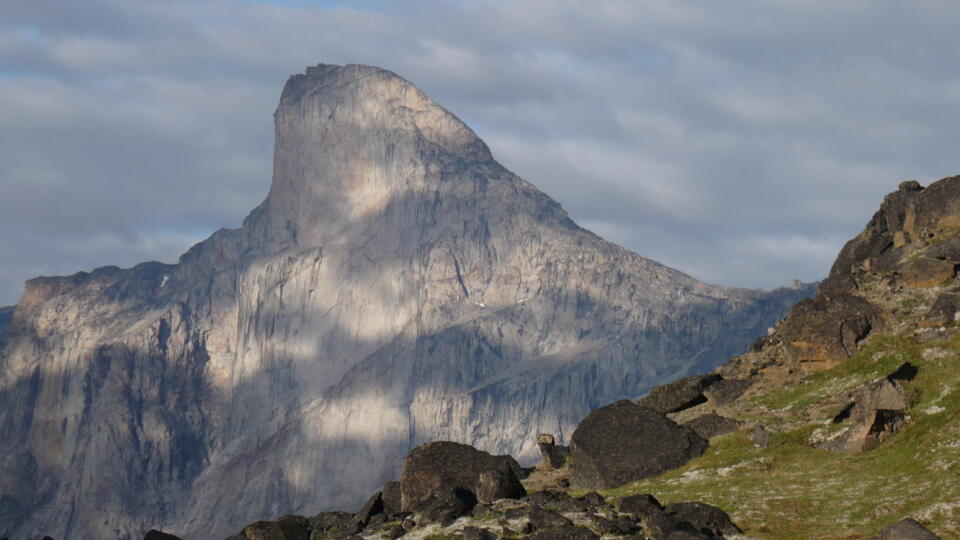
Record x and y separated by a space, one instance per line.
843 422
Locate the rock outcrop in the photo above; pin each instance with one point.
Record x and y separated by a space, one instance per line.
623 442
396 286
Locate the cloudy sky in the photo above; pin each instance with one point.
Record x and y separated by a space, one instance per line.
742 142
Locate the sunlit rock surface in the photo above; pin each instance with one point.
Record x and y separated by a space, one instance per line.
396 286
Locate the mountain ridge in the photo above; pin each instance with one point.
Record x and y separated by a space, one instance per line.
392 273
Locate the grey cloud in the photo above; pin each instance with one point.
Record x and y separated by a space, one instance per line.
742 143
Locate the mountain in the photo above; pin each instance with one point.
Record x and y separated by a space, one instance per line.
397 285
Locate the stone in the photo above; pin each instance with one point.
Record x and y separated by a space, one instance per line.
393 268
820 333
567 532
944 309
276 530
906 529
327 520
704 518
680 394
446 505
558 501
474 533
553 456
660 525
441 466
759 435
925 272
948 249
392 498
641 505
499 484
726 391
542 519
154 534
884 393
712 425
594 501
373 507
623 442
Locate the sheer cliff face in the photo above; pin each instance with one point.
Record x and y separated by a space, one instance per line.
396 286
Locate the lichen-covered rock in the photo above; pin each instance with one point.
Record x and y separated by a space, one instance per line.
906 529
726 391
553 455
392 498
680 394
438 467
712 425
623 442
499 484
704 517
820 333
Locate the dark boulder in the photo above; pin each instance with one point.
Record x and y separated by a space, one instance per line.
660 525
440 466
327 520
568 532
501 484
447 505
726 391
680 394
473 533
392 499
712 425
276 530
820 333
623 442
558 501
948 250
906 529
154 534
944 309
641 505
373 507
541 518
705 518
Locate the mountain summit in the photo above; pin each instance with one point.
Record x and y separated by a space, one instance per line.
396 286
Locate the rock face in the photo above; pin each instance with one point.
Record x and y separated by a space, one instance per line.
6 314
623 442
397 285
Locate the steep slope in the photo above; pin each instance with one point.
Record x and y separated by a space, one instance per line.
883 325
396 286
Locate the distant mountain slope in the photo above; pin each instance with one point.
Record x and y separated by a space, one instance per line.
397 285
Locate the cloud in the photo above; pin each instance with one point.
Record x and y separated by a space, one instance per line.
740 142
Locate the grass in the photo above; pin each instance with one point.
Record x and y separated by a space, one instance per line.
791 490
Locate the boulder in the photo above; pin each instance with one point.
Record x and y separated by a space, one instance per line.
759 435
680 394
944 309
726 391
373 507
924 272
568 532
541 518
554 456
276 530
392 499
948 249
499 484
712 425
641 505
154 534
436 467
884 393
327 520
821 332
623 442
558 501
906 529
473 533
446 505
704 518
